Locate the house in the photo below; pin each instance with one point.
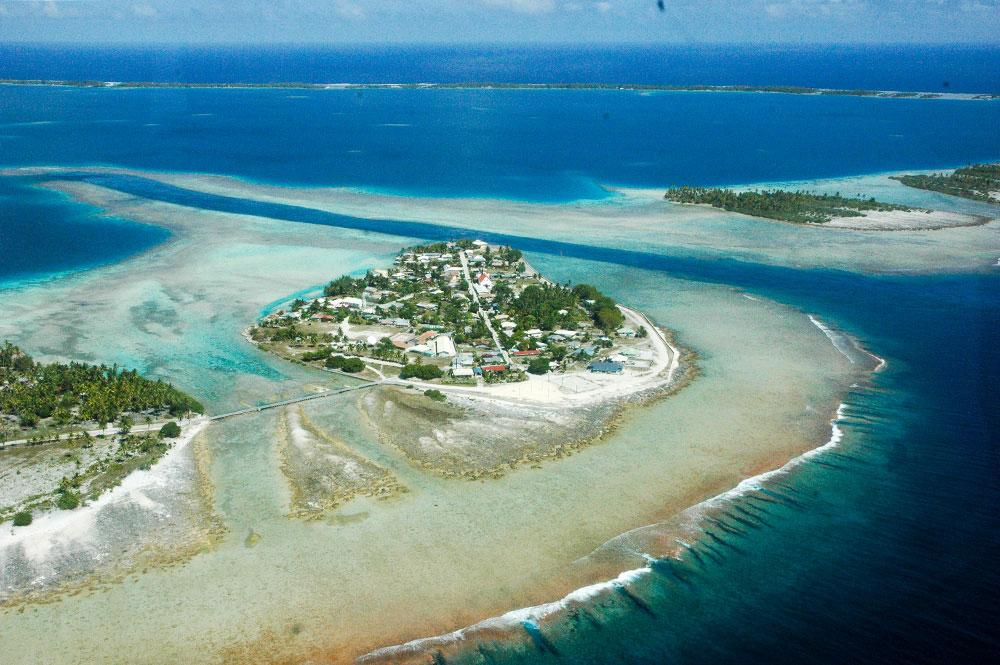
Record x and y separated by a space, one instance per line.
605 367
508 325
484 281
323 317
492 360
395 323
588 351
460 372
618 358
625 331
480 244
422 349
494 368
427 306
464 360
534 332
403 340
568 334
476 260
529 352
629 352
345 303
424 337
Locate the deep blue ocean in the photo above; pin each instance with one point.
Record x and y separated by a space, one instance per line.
882 551
921 68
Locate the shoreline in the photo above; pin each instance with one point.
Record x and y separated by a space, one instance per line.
688 521
486 85
55 520
527 618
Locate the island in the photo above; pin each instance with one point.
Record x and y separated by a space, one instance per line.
54 436
979 182
499 85
479 363
810 208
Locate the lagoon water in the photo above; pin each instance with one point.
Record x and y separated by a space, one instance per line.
882 551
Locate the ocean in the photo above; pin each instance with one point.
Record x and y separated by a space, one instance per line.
882 550
918 67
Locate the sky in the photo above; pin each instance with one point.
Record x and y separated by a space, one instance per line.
506 21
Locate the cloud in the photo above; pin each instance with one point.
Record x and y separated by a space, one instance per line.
811 8
525 6
145 11
348 9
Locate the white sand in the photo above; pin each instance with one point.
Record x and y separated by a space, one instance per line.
58 527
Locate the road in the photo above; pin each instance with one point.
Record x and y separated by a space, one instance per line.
482 312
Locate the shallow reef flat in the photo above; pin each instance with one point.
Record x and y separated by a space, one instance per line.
382 570
639 219
322 471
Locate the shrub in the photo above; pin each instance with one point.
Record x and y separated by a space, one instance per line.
170 431
22 518
320 354
423 372
538 365
351 365
68 501
435 395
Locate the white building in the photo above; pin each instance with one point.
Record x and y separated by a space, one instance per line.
442 345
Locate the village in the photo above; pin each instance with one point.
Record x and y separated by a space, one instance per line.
467 314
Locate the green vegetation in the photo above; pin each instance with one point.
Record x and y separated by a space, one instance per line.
435 395
420 371
170 431
538 365
797 207
22 518
603 310
344 364
63 395
68 500
979 182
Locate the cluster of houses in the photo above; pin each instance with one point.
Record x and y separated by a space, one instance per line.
412 307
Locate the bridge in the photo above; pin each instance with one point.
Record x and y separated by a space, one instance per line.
155 427
293 400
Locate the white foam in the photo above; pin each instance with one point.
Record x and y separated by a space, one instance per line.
516 617
842 343
583 594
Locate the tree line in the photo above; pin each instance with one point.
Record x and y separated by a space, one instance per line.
799 207
76 392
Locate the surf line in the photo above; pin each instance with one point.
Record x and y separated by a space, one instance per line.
840 340
516 618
